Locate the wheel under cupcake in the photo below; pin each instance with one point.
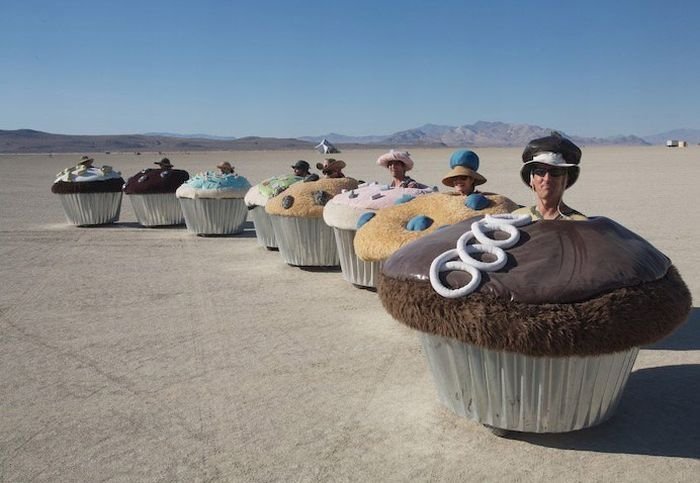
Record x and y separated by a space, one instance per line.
534 329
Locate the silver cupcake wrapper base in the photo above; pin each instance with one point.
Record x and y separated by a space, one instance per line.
355 270
85 209
206 216
305 242
523 393
264 232
159 209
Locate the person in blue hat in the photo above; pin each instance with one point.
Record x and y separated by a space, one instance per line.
550 167
464 178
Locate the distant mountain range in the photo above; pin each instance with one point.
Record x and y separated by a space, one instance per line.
479 134
29 141
482 133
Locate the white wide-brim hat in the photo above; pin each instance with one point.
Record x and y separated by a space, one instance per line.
392 155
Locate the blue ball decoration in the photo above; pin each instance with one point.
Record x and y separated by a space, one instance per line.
476 201
403 199
466 158
419 223
364 218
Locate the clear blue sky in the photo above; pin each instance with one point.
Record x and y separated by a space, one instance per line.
364 67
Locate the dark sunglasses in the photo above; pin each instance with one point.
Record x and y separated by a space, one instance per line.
554 172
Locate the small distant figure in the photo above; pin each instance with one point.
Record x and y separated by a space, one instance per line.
331 168
301 168
225 168
398 163
164 163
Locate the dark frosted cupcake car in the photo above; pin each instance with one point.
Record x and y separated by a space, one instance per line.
546 343
152 194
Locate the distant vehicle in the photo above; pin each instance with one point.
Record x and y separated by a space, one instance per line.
672 143
325 147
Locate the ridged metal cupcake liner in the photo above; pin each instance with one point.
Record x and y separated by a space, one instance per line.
158 209
355 270
85 209
208 216
264 232
523 393
305 242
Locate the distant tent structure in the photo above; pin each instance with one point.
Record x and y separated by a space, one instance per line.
324 147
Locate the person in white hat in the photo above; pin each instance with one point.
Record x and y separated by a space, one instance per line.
551 165
398 163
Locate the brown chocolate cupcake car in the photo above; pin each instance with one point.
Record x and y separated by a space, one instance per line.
572 294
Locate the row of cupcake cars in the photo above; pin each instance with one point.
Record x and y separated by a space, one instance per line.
534 336
210 203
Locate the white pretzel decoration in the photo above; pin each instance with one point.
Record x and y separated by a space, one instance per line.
466 251
442 263
509 218
479 228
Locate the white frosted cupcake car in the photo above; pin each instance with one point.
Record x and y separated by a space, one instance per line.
347 211
89 195
212 203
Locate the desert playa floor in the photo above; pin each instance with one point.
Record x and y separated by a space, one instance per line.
134 354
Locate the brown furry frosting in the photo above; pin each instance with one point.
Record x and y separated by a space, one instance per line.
307 199
377 239
569 288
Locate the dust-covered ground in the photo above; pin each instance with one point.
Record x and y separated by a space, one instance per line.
143 354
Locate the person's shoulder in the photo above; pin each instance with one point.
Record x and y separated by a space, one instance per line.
572 214
524 210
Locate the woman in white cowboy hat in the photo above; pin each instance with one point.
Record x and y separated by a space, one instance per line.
331 168
550 167
463 175
398 163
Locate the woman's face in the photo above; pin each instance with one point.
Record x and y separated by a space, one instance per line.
464 185
397 169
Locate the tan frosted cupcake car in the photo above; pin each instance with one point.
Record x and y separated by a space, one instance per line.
386 232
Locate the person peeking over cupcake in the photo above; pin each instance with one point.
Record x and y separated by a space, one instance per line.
398 163
550 167
301 168
331 168
225 168
164 164
464 178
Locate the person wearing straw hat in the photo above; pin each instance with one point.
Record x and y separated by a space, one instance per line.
463 175
331 168
398 163
86 161
225 168
550 167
